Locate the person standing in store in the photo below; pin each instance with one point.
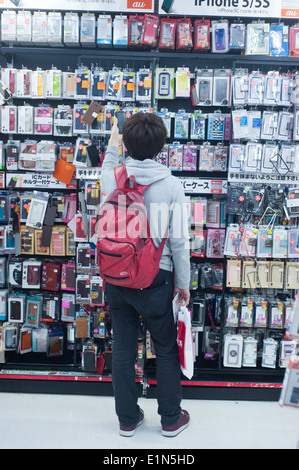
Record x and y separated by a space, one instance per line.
144 136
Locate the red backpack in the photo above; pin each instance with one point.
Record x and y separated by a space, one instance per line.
127 255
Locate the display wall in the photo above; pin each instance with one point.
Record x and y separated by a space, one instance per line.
227 92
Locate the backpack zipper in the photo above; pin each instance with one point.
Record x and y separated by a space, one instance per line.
113 277
117 241
109 254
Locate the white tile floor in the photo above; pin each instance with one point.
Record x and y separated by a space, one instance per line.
88 422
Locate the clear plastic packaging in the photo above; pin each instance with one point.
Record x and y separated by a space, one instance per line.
38 83
24 83
45 156
257 39
167 34
9 26
87 30
24 27
220 36
82 83
9 119
43 120
25 119
120 31
39 28
54 83
71 29
104 31
54 29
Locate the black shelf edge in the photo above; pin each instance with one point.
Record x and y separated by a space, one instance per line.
145 55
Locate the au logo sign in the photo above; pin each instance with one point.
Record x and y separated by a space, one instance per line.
140 4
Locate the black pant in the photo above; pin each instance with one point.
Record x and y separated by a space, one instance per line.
154 304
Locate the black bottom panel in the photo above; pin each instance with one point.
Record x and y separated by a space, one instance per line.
225 393
56 387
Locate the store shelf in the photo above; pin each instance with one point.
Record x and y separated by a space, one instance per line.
144 54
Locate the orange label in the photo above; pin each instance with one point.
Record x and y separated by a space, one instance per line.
290 13
130 86
147 82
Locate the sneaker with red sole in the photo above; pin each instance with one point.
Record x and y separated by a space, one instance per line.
130 430
179 426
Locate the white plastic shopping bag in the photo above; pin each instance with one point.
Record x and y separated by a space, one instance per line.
185 339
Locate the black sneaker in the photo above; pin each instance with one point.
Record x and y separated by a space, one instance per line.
179 426
130 431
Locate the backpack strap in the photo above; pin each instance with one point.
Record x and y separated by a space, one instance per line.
121 175
161 247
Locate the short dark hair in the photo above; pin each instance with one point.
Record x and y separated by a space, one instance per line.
144 135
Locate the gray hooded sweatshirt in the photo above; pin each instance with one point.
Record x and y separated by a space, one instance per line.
166 209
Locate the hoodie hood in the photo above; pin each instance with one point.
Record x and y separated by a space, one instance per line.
147 171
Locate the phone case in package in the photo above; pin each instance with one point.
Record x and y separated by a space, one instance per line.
83 288
181 125
240 85
285 126
254 124
25 119
150 31
256 88
222 87
202 35
96 291
240 124
215 243
294 41
53 83
190 157
258 39
206 158
270 157
293 243
43 120
237 36
272 89
82 82
279 40
248 242
162 157
237 157
24 83
68 307
253 157
167 34
286 89
87 30
104 28
233 351
79 126
184 34
220 36
68 277
120 31
9 119
269 125
264 244
175 155
135 30
144 85
128 86
115 78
